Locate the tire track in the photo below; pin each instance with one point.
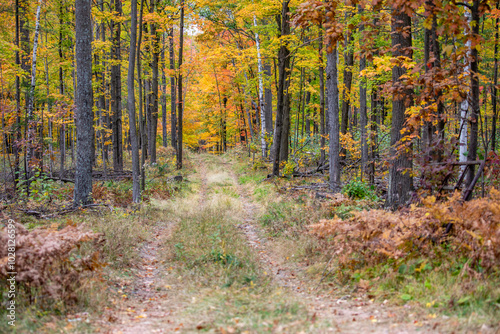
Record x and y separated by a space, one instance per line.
345 315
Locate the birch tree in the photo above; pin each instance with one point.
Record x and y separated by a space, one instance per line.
263 145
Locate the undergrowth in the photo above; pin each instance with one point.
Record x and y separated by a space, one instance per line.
404 257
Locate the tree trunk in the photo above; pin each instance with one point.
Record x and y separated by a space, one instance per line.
374 134
279 140
136 191
116 89
363 116
321 99
18 100
181 102
154 86
49 105
173 99
141 104
474 91
400 176
163 96
333 109
102 104
83 177
31 97
494 90
464 106
263 145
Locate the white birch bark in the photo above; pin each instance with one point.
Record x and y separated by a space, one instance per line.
464 107
261 94
31 97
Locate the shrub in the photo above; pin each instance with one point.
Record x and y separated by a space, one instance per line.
358 190
371 237
47 263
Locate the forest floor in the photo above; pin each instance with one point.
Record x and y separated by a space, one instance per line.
209 266
227 251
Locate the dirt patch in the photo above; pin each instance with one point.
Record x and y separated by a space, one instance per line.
150 302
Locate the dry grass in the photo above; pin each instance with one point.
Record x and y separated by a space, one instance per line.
229 289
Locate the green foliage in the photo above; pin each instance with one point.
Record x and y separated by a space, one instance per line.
356 189
41 188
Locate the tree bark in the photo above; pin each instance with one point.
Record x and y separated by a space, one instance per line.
116 90
464 106
154 86
363 116
321 99
62 131
263 145
173 99
494 89
280 140
163 96
136 191
31 98
141 104
84 119
400 174
474 91
18 100
181 102
333 109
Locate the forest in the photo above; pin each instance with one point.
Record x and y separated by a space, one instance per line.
255 166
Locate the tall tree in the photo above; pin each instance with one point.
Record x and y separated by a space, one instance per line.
84 119
321 98
363 116
116 87
179 90
17 128
474 90
400 175
153 98
173 99
280 138
134 143
464 106
333 110
494 90
30 149
263 145
163 96
62 134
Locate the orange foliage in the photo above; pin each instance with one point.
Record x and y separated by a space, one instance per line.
43 260
376 235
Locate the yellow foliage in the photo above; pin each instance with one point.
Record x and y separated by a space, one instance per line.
351 145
